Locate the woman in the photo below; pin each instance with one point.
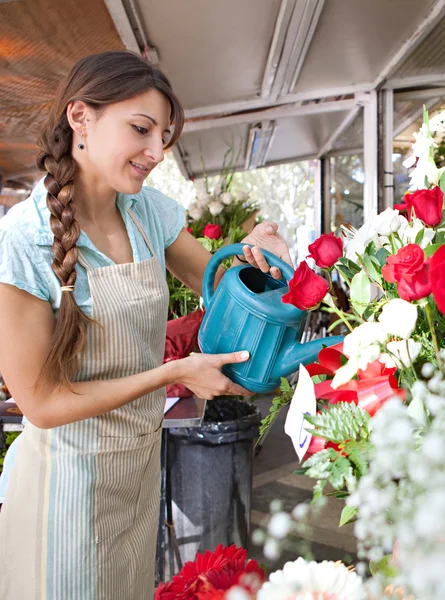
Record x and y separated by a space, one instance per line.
83 305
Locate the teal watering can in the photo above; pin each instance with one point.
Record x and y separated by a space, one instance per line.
245 312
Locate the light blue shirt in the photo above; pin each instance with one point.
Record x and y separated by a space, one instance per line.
26 256
26 239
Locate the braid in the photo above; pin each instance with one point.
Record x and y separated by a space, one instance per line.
69 333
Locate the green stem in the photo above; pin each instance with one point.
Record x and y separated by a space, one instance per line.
429 316
340 315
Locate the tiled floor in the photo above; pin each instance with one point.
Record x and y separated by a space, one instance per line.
274 479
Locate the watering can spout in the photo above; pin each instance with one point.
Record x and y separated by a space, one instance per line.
304 354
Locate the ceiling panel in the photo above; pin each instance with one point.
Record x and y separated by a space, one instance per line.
355 39
214 52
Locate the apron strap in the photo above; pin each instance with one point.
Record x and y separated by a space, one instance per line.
144 235
82 260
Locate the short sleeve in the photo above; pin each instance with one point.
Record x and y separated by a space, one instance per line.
170 213
20 262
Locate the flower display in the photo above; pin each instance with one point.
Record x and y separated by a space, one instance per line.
380 396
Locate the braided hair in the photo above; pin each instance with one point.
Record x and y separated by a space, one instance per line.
98 80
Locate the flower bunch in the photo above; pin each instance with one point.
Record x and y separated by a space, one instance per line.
394 269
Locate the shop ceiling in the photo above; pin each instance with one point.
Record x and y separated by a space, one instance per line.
282 80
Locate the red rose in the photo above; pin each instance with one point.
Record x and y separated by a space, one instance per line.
426 204
409 271
189 229
437 277
213 232
326 250
306 288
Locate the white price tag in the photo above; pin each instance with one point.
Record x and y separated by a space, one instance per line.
303 402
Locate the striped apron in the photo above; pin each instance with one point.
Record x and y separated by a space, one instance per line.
79 521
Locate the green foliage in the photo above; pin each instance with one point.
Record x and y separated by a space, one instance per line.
283 398
347 426
348 515
360 292
10 437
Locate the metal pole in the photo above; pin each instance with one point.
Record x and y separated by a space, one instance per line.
388 134
370 187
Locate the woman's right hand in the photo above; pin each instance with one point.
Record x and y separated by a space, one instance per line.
202 374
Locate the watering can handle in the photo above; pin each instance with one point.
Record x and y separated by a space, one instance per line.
232 250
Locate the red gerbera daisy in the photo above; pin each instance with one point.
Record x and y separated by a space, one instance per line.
210 573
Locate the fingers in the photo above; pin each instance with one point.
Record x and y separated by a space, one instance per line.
256 258
232 357
270 227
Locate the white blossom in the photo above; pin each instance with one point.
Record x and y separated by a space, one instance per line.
215 207
242 196
300 579
280 525
409 230
387 222
401 354
195 211
399 318
362 346
226 198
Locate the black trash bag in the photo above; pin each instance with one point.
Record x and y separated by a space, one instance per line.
211 477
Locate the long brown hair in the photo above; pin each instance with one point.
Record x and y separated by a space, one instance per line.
98 80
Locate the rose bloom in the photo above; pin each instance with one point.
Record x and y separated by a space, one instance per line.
427 205
306 288
213 232
409 271
437 277
326 250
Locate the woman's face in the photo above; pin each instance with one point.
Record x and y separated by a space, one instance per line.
126 141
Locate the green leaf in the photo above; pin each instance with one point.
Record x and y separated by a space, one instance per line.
318 490
348 514
360 292
419 236
300 471
381 256
430 250
442 182
370 266
426 118
383 567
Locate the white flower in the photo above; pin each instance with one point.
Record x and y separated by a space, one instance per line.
237 593
425 167
387 222
362 346
242 196
195 211
357 240
408 232
226 198
310 578
401 354
203 199
271 549
215 207
279 525
399 318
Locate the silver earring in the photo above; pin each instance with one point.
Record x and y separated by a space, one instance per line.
81 146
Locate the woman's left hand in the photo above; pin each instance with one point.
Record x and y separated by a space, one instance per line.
265 235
